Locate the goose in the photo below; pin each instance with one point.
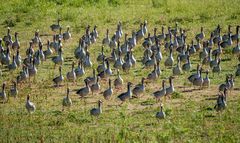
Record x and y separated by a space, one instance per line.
87 62
177 70
67 102
125 45
140 33
126 95
206 80
30 50
139 89
225 37
237 73
37 58
71 75
169 61
18 59
49 51
1 47
13 65
109 91
175 42
41 53
132 58
36 39
3 95
101 56
147 41
161 114
210 41
221 101
23 75
67 35
84 91
118 82
96 86
79 71
106 40
14 90
119 32
224 85
56 27
119 62
16 43
158 54
108 71
30 106
58 60
151 62
160 93
80 52
128 64
146 55
194 75
5 58
154 37
153 75
133 41
162 36
95 32
170 90
113 57
236 50
145 27
237 35
158 69
231 81
58 46
187 66
192 49
92 80
113 42
217 68
102 66
227 43
8 38
59 79
97 111
214 61
170 43
54 44
218 38
32 70
203 54
198 81
200 36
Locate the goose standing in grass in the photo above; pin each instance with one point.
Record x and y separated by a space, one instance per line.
59 79
97 111
153 75
126 95
58 60
206 80
169 61
140 33
14 90
92 79
67 35
71 76
198 81
187 66
237 73
67 102
200 36
160 93
101 56
170 90
221 101
96 86
108 92
118 82
3 95
236 36
87 62
36 39
177 70
13 65
49 51
217 68
56 27
119 62
236 50
128 64
161 114
32 70
79 71
139 89
224 85
16 43
30 106
8 38
231 81
23 76
106 40
18 59
84 91
194 75
132 41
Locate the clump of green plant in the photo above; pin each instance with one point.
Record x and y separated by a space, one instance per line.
176 95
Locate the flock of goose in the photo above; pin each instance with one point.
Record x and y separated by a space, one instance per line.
122 59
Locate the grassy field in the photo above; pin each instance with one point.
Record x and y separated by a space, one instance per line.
190 115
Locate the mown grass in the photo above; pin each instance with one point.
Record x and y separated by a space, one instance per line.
190 115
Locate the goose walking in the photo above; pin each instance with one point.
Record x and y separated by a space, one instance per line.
139 89
108 92
160 93
30 106
67 102
97 111
126 95
161 114
59 79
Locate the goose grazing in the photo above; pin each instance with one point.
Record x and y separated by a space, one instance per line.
56 27
177 70
236 50
139 89
82 92
79 71
169 61
170 90
126 95
59 79
200 36
67 35
108 92
96 86
221 101
153 75
16 43
71 75
97 111
49 51
161 114
58 60
14 90
30 106
106 40
118 82
206 80
3 95
237 73
160 93
67 102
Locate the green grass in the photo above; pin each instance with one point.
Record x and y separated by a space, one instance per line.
190 116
